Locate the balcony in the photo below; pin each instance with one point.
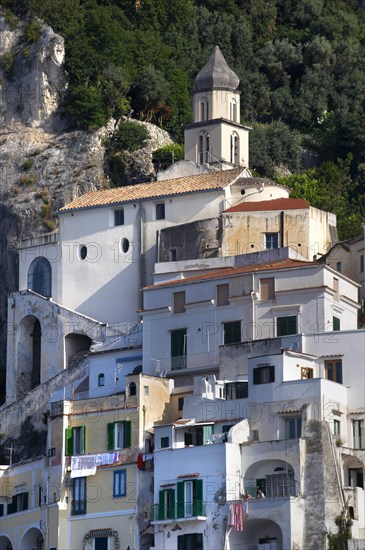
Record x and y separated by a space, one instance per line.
178 362
189 511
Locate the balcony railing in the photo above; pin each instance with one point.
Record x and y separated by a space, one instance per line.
78 507
178 362
186 510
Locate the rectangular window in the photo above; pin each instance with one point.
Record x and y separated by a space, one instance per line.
180 403
178 349
165 442
1 510
271 240
293 427
173 254
280 485
286 325
119 435
336 323
119 217
232 332
264 375
358 434
223 295
361 263
179 302
75 441
339 266
267 288
336 289
236 390
160 211
18 503
78 496
333 370
190 498
336 427
192 541
119 483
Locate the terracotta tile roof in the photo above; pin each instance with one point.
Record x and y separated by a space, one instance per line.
275 204
232 271
177 186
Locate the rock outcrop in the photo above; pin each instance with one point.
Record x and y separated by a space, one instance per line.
43 164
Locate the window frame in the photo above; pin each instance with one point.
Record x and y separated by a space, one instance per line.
178 348
264 374
101 380
267 288
160 211
293 427
39 277
71 441
179 301
119 479
112 434
234 332
119 217
222 295
79 488
333 370
272 240
285 321
164 442
358 439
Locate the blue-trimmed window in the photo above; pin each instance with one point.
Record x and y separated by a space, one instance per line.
78 496
119 483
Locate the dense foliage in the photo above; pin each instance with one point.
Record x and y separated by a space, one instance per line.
300 63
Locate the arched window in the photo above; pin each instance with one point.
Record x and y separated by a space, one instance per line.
233 110
204 109
40 277
132 388
101 380
203 148
235 148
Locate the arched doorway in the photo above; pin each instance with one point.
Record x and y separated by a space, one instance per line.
32 540
258 534
75 344
29 355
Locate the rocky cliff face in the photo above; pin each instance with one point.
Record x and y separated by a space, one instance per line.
43 164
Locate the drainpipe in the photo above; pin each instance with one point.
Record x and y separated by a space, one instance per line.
281 216
253 298
141 255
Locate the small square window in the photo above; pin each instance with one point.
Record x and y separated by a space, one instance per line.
119 483
286 325
271 240
160 211
119 217
146 390
339 266
264 375
165 442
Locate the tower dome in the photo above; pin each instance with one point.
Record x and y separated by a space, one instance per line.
216 74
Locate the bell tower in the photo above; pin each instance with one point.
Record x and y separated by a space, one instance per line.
216 137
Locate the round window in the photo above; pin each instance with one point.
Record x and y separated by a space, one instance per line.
83 252
125 245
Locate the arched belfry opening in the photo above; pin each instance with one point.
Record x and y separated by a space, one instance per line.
29 355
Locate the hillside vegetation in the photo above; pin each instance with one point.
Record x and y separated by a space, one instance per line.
300 63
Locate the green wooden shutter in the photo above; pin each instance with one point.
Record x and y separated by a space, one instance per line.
199 541
161 505
110 436
127 434
171 508
256 375
69 442
180 499
198 500
83 439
